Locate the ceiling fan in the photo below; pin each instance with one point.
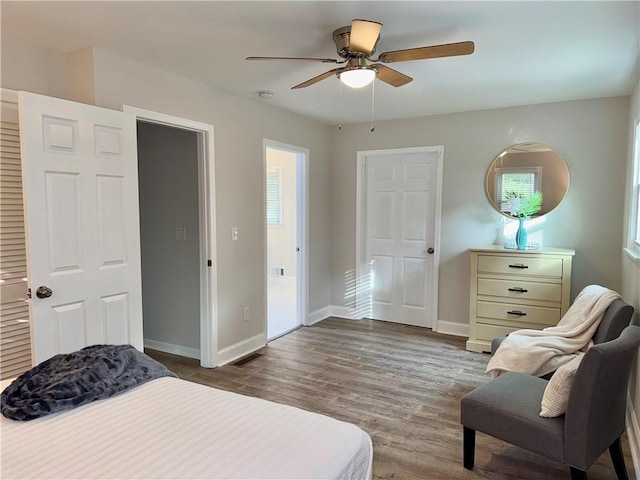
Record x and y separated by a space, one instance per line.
356 43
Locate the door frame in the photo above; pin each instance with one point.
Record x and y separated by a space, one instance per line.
302 228
362 284
207 215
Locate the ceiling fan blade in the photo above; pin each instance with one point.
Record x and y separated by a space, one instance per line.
302 59
422 53
364 36
391 76
313 80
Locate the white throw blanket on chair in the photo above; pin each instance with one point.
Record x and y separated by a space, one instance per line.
539 352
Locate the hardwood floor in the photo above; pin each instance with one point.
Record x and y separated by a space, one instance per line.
400 384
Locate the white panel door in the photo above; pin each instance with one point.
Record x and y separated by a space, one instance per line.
401 194
80 179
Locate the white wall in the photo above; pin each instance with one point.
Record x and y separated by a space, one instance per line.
591 135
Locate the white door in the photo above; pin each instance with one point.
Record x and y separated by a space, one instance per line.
83 236
401 200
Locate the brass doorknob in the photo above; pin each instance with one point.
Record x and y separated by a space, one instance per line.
43 292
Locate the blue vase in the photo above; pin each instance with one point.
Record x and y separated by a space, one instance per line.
521 234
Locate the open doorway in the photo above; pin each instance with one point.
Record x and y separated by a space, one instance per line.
285 191
177 229
169 238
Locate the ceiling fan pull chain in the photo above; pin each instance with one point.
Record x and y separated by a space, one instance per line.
340 105
373 98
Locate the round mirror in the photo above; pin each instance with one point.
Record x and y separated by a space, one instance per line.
523 170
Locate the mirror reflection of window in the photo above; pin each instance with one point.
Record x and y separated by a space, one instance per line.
520 181
525 168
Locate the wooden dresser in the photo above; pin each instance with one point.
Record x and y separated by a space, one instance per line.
515 289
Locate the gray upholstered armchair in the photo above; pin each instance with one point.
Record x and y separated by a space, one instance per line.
508 408
615 319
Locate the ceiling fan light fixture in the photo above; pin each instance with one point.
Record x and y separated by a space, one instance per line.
357 77
356 43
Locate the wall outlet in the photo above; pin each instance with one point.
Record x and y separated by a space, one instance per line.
246 314
234 234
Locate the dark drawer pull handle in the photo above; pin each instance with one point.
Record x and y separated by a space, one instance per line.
517 312
518 265
518 290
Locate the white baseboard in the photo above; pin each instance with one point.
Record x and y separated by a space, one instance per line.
445 327
453 328
318 315
171 348
448 328
633 434
241 349
343 312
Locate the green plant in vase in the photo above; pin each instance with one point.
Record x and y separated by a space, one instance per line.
523 207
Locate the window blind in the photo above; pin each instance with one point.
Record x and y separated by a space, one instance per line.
522 183
274 196
15 340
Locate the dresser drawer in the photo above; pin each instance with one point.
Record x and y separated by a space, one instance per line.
517 314
519 290
514 290
489 332
524 266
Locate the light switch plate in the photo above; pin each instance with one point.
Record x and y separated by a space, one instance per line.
181 233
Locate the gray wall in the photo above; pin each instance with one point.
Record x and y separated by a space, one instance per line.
33 69
591 135
630 268
168 179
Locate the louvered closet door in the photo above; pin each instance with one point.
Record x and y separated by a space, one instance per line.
15 344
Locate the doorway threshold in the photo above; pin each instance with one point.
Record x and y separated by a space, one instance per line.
287 332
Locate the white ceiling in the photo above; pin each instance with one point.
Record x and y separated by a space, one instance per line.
526 52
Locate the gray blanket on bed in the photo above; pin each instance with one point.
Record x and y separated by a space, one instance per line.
67 381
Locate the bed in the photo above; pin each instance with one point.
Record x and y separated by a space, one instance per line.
171 428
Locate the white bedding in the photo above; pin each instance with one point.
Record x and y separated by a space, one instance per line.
170 428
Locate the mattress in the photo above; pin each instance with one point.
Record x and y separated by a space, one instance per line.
171 428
